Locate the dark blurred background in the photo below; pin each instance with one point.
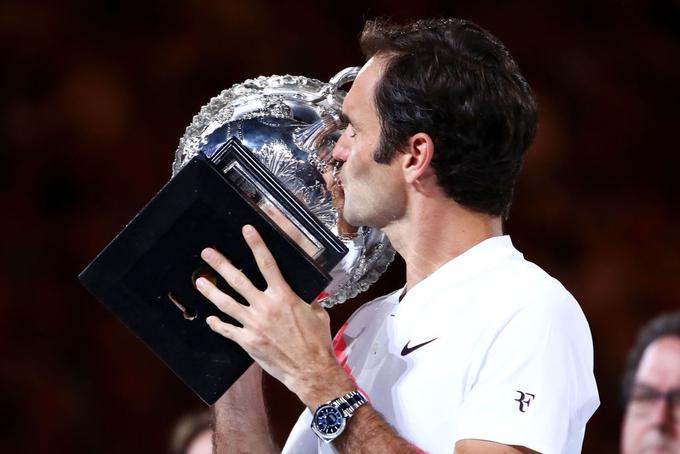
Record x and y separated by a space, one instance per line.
96 94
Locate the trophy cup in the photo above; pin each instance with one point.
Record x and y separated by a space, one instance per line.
259 153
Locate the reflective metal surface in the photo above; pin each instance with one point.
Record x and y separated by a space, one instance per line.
291 124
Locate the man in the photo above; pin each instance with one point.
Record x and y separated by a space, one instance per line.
480 351
651 389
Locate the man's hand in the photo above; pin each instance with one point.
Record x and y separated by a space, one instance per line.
288 338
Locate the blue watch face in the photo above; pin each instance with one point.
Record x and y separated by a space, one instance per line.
329 420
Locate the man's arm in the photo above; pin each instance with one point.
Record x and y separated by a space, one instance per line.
489 447
368 432
291 340
240 417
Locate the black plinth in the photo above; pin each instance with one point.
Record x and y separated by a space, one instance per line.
146 275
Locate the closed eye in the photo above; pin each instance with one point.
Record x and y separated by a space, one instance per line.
347 124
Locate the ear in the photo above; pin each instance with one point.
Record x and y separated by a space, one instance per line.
416 163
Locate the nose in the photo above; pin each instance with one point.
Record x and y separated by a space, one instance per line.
341 149
662 416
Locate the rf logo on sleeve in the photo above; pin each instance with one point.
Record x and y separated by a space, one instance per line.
524 400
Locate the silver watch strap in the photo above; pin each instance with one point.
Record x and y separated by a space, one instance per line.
348 403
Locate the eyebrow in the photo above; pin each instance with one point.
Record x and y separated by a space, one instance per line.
344 117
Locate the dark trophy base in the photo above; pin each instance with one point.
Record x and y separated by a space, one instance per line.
146 275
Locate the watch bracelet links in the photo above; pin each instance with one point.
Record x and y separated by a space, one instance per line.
348 403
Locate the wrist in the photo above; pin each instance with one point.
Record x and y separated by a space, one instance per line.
319 387
330 419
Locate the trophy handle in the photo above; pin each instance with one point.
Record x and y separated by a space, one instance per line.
329 91
344 76
312 137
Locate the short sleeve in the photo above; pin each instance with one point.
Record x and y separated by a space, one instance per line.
535 385
301 439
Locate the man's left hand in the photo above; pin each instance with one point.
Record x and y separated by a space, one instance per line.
288 338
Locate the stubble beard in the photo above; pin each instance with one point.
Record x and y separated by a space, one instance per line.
656 442
355 211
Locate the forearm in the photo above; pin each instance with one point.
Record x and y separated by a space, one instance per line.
368 432
240 417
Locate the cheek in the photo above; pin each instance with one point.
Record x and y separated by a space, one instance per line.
632 432
355 166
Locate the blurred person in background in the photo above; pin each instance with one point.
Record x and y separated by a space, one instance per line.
651 389
193 434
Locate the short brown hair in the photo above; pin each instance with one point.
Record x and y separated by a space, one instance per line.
456 82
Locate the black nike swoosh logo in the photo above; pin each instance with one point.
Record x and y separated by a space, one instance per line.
406 350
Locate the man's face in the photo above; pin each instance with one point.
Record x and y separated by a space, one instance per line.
373 193
652 421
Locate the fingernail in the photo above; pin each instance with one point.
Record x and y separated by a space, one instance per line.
248 230
200 282
207 253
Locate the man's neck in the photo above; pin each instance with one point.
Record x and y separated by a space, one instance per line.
433 234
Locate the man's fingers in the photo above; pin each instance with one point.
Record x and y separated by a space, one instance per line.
233 276
225 329
251 344
265 260
224 302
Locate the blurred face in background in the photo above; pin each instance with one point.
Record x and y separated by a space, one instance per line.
652 420
201 444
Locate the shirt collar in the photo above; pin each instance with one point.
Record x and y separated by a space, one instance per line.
481 257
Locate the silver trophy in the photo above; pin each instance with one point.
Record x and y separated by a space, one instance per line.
291 123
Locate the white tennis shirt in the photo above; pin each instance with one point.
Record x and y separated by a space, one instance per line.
488 347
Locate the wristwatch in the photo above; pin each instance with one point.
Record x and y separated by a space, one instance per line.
330 419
